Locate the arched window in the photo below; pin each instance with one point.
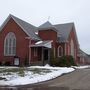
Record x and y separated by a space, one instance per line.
72 48
10 44
60 51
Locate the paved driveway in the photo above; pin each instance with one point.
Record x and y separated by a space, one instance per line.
77 80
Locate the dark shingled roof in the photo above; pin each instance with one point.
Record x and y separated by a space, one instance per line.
46 25
61 39
28 28
64 31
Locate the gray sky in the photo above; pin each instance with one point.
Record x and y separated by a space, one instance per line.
37 12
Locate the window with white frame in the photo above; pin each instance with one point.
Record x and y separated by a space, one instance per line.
10 44
60 51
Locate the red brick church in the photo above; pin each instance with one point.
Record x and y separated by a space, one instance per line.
20 40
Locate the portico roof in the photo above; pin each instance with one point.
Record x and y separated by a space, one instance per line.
42 44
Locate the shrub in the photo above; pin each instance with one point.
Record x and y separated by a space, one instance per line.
7 63
64 61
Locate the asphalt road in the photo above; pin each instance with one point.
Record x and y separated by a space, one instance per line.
77 80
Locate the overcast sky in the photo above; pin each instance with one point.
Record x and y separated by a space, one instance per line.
37 12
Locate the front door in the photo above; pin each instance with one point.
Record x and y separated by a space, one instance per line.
46 54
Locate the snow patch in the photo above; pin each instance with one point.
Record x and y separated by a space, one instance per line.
30 77
47 65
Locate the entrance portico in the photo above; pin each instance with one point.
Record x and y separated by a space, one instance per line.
40 52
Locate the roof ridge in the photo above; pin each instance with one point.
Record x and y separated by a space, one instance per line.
20 19
46 24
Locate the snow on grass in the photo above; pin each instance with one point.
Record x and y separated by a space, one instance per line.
22 76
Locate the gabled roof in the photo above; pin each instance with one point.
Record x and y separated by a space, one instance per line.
46 25
27 28
64 31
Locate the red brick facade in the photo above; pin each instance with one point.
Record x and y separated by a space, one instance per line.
23 43
48 34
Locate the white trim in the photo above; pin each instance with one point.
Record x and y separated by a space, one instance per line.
59 51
